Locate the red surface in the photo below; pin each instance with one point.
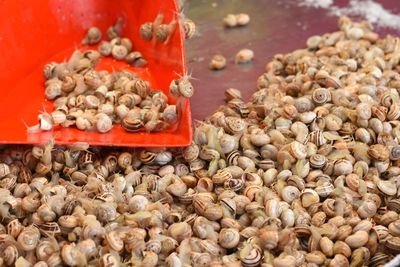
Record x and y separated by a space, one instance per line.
35 32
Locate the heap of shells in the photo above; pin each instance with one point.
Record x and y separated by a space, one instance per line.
120 48
93 100
305 174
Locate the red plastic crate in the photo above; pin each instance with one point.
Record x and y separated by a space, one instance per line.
35 32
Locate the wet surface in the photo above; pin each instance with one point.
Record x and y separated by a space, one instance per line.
275 27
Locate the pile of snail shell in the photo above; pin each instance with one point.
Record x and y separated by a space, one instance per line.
93 100
120 48
305 174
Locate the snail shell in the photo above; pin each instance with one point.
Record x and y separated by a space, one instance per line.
298 150
387 187
218 62
367 210
381 233
146 31
326 246
29 238
318 161
189 28
379 152
395 153
229 238
4 170
132 125
14 228
393 243
234 125
269 237
341 247
127 43
115 241
108 260
162 32
234 184
105 48
103 123
242 19
339 260
185 88
180 231
10 255
394 112
93 36
251 255
53 89
290 193
315 257
230 20
221 176
309 197
244 56
119 52
358 239
136 59
321 96
49 70
285 261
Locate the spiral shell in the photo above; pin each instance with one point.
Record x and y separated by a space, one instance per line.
221 176
318 161
218 62
358 239
4 170
29 238
251 255
189 28
367 209
185 87
298 150
132 125
244 56
290 193
93 36
228 238
321 96
393 244
309 197
387 187
180 231
235 125
379 152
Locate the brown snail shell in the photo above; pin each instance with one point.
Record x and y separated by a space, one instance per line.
189 28
185 88
93 36
251 255
244 56
379 152
229 238
321 96
119 52
218 62
136 59
146 31
132 125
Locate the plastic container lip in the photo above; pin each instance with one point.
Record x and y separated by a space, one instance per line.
34 32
